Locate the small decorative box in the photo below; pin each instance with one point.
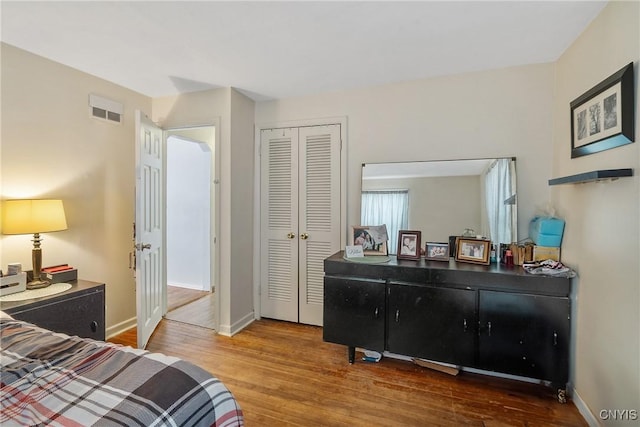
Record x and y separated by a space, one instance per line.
13 284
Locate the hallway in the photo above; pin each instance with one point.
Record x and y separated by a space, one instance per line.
190 306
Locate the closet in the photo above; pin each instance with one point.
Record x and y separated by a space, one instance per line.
299 219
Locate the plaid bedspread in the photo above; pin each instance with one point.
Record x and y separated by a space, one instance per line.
52 379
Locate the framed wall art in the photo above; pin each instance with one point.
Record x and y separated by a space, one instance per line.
373 239
603 117
473 250
436 251
408 244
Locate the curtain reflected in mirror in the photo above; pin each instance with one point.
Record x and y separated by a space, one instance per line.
386 207
442 198
499 188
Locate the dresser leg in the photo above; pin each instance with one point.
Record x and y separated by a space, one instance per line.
352 355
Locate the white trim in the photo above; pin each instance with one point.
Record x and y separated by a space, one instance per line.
584 410
229 331
121 327
187 286
257 210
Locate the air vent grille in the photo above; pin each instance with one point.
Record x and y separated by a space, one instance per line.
105 109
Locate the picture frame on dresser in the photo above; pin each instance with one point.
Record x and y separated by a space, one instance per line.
409 244
475 251
603 117
436 251
373 239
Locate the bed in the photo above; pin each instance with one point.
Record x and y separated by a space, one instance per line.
53 379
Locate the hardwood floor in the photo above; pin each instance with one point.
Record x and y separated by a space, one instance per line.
178 296
199 312
283 374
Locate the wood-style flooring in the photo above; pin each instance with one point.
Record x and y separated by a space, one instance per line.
199 312
191 306
283 374
178 296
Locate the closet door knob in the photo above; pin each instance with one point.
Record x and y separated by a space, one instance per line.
304 236
291 235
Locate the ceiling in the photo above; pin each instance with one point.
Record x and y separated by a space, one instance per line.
272 50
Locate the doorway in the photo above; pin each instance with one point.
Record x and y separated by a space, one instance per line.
190 213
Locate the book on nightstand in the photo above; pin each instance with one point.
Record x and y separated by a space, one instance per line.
60 273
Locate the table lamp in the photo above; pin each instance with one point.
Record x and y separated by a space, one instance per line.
33 217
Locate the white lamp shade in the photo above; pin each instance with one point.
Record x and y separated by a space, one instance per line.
32 216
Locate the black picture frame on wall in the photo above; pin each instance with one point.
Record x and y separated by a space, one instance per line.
603 117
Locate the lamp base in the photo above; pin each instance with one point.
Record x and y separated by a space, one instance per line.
38 284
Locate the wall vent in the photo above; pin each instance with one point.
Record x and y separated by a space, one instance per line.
105 109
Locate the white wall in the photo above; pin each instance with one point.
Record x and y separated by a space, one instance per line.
188 213
602 232
500 113
439 206
241 203
53 148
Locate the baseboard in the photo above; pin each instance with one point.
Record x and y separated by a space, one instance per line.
119 328
193 287
231 330
584 410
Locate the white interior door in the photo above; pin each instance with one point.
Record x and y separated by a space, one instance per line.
279 224
319 214
300 223
150 261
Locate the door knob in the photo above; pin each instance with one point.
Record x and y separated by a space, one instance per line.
304 236
143 246
291 235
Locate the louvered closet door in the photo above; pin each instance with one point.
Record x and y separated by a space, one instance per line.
279 224
300 199
319 214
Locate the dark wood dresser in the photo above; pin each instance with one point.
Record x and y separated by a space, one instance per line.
492 318
78 311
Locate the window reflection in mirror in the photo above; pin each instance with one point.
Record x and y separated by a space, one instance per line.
442 198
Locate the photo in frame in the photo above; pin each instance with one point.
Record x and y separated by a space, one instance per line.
408 244
603 117
372 238
436 251
473 250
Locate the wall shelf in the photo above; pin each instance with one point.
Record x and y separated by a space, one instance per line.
609 174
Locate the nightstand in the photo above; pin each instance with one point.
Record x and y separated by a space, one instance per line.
77 311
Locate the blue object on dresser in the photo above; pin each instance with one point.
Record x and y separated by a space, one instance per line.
546 231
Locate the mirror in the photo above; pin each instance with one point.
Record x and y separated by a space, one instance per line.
442 198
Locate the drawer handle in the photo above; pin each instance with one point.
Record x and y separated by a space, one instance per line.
489 327
397 315
555 338
94 326
464 324
376 313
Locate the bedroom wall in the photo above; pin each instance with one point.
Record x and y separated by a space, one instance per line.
602 234
499 113
53 148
